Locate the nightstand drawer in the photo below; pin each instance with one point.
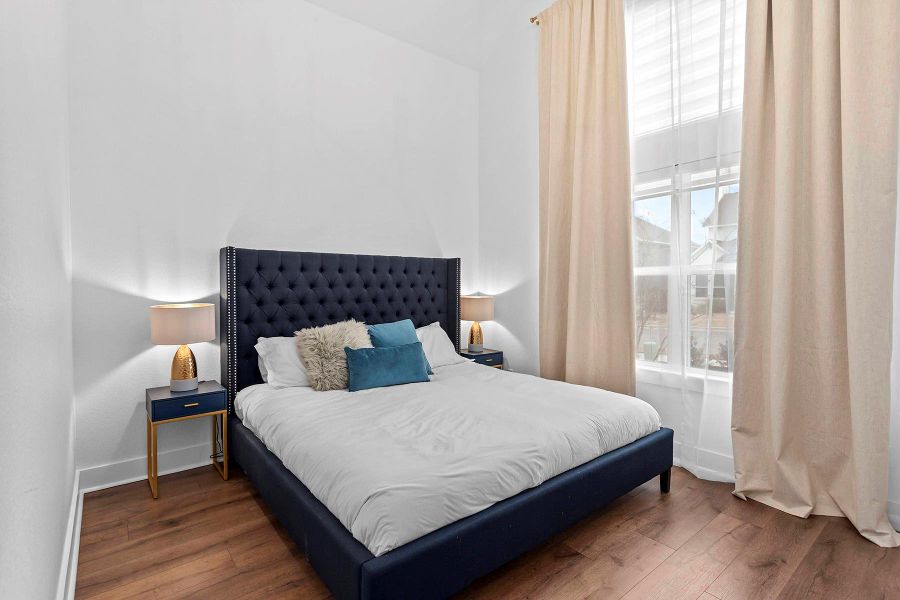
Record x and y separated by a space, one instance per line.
493 359
490 358
191 404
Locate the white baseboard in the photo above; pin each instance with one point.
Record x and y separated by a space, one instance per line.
135 469
100 477
65 586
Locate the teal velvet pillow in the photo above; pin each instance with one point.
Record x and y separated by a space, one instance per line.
385 335
379 367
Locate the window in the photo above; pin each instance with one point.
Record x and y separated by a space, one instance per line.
685 77
684 284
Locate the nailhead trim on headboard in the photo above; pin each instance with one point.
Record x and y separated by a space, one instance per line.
232 329
457 340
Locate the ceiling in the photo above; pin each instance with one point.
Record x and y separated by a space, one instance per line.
447 28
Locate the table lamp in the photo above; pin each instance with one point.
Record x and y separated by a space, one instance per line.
182 324
476 308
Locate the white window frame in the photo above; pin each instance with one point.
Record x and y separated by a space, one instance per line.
678 353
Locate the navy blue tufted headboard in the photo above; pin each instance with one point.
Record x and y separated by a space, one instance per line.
266 293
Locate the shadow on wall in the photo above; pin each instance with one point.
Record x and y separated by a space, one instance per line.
114 362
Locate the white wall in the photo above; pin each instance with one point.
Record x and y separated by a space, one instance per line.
508 178
269 124
36 433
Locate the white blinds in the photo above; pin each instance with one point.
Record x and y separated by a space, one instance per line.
686 80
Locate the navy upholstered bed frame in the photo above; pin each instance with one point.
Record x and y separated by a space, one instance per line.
274 293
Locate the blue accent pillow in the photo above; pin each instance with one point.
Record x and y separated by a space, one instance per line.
379 367
385 335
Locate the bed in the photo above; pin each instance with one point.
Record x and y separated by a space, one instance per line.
273 293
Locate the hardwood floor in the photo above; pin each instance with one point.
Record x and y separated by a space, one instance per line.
206 538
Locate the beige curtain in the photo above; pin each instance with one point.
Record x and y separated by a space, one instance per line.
817 217
586 303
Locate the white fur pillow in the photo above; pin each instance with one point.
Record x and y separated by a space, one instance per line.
322 351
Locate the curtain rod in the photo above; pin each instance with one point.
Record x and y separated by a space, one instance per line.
535 20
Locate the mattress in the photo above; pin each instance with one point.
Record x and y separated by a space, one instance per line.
396 463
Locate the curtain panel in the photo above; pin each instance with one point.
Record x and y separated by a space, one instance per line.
815 263
585 288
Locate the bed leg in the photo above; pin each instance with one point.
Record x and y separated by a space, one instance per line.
665 481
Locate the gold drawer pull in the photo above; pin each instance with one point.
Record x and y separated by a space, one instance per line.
192 404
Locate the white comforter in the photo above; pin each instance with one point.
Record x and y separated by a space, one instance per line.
396 463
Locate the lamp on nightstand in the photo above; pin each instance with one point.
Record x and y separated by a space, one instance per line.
183 324
476 308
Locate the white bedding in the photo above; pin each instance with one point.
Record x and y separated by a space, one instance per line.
395 463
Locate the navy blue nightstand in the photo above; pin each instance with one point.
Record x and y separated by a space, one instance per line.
491 358
166 406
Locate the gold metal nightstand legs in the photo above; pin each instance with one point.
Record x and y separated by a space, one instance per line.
219 419
152 477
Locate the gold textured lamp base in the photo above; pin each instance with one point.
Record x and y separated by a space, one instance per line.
184 370
476 338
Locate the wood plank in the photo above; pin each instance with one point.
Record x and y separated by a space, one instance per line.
764 567
204 569
528 575
293 575
103 532
674 522
265 544
594 535
611 575
124 501
137 559
838 566
690 570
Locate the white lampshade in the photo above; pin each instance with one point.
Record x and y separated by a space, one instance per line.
176 324
476 308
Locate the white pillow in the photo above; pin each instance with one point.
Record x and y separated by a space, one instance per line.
262 366
281 366
438 348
